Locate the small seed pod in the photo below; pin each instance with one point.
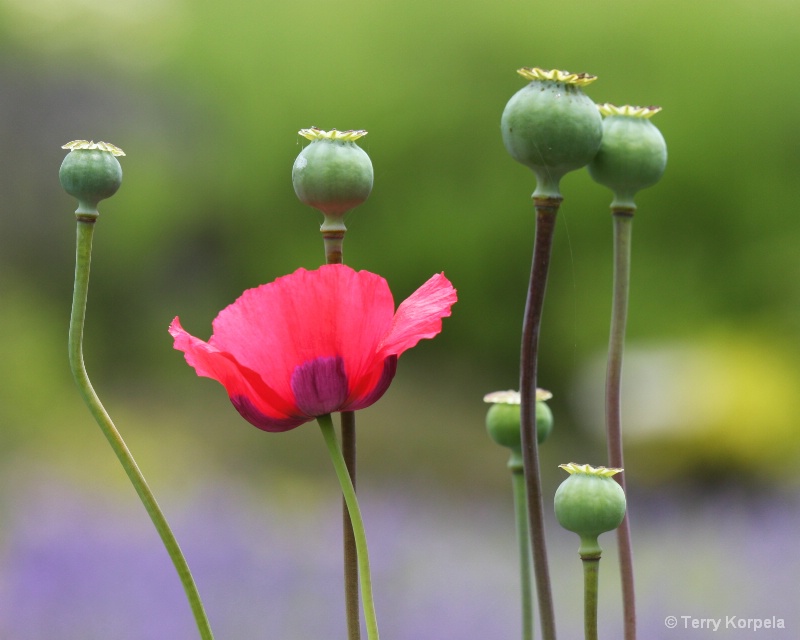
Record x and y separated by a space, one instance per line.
332 174
589 502
503 418
551 126
632 155
91 173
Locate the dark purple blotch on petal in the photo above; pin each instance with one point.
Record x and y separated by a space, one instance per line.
249 412
320 385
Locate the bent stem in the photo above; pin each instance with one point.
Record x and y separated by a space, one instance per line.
349 494
83 256
523 540
546 210
623 227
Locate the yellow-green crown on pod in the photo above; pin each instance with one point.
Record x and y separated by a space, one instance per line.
603 472
91 144
536 73
608 109
350 135
514 397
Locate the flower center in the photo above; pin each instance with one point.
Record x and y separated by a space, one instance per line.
320 385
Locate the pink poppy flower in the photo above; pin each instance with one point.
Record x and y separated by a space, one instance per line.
313 342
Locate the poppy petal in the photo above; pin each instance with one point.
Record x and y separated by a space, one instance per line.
372 388
239 381
250 412
331 312
420 315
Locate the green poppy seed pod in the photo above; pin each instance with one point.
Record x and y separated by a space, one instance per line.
589 502
632 155
90 172
503 418
332 174
551 126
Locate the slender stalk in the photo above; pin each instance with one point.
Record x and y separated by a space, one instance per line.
352 605
333 239
82 266
524 542
546 210
349 493
623 227
591 569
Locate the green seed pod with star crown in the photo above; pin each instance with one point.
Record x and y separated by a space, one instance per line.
632 155
90 172
551 126
589 502
332 174
503 417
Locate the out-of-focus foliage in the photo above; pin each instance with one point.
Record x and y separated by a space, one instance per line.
206 100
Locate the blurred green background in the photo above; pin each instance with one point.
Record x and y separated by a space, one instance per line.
206 100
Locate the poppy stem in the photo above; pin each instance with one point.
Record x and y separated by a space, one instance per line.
82 266
333 237
352 605
546 210
349 494
591 570
524 542
623 228
333 240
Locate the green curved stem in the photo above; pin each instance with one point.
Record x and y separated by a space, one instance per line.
591 570
349 494
83 259
524 543
546 210
623 227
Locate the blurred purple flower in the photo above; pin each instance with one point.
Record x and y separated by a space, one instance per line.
77 566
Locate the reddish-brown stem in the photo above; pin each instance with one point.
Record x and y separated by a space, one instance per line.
352 608
546 210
